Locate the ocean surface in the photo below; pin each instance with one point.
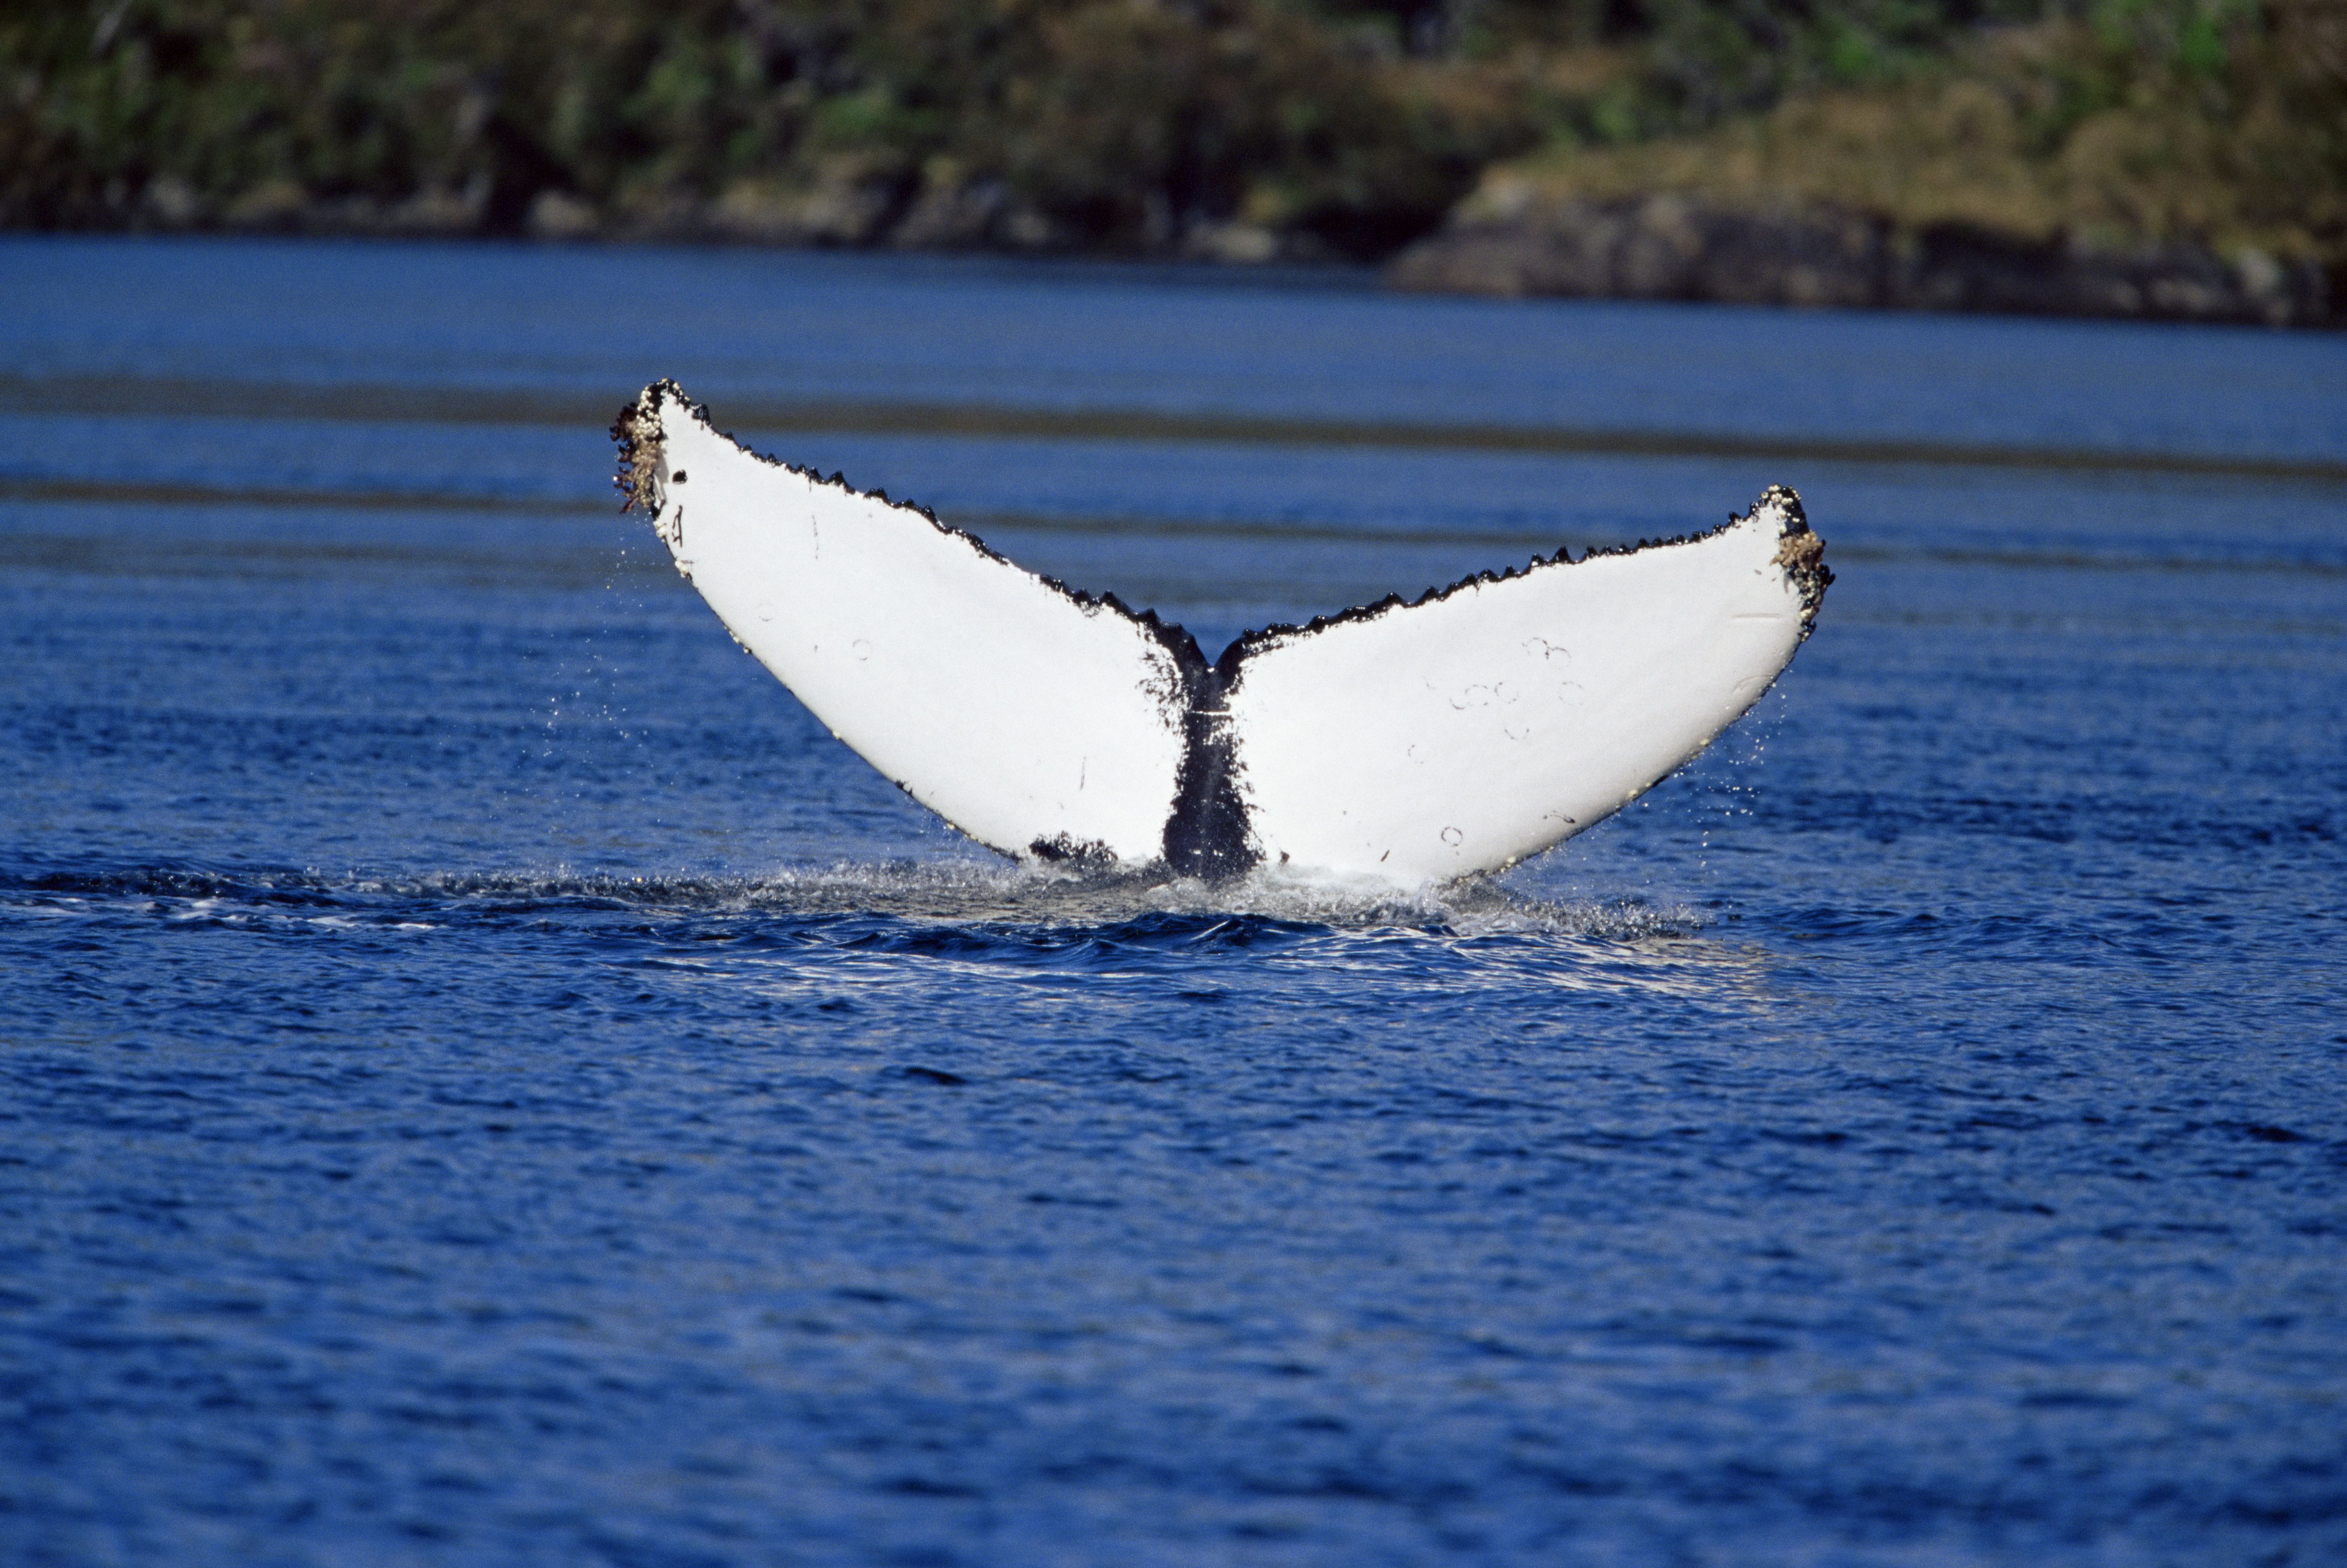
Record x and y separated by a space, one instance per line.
489 1080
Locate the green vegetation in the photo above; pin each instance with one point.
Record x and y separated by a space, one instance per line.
1242 128
2134 123
1049 123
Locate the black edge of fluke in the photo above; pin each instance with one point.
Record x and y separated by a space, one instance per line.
1207 833
1801 554
639 479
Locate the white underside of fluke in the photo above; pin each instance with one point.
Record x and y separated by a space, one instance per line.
1403 744
1467 732
999 702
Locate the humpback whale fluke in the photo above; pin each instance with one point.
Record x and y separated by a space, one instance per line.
1406 742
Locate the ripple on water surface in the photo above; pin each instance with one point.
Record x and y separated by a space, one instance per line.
489 1079
950 1212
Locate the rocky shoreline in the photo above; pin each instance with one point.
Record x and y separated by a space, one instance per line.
1670 247
1660 246
843 208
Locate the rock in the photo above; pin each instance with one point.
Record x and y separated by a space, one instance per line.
950 215
1679 247
1659 247
1817 257
557 215
850 202
1026 227
434 211
272 204
1239 244
172 202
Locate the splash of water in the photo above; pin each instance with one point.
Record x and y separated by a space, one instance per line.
944 892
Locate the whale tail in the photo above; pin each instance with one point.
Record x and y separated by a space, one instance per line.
1404 743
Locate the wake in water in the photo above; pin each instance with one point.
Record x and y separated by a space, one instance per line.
965 894
1017 894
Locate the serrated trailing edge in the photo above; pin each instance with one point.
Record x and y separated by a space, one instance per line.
1211 828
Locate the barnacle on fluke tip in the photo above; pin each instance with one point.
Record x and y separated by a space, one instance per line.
1398 742
1801 553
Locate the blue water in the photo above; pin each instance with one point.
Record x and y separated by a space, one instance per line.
489 1080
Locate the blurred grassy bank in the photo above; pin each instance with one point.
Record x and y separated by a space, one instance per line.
2137 158
1235 130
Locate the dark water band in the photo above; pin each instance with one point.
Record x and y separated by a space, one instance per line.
526 406
16 548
